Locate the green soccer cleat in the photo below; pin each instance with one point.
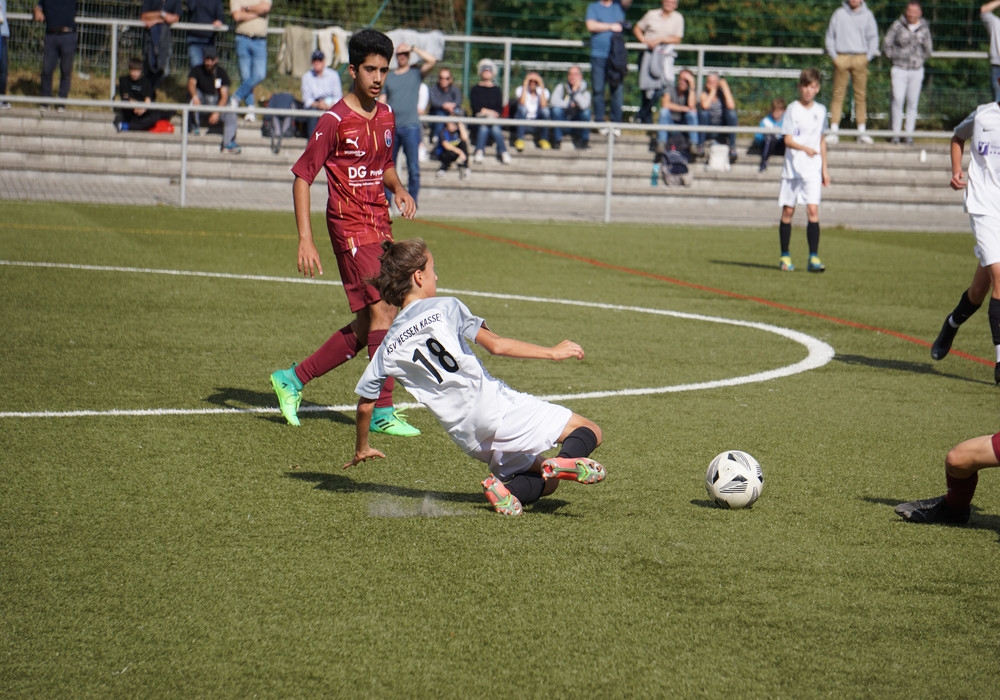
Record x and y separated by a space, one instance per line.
786 264
502 500
389 421
581 469
815 264
289 390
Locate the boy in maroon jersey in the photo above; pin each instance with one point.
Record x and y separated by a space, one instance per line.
353 143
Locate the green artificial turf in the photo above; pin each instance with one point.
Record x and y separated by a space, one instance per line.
175 549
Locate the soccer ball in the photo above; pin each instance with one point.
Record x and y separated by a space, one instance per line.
734 480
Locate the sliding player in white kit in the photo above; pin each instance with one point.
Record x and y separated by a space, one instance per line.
426 350
804 174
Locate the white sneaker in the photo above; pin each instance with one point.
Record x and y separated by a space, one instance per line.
251 115
422 153
478 157
832 139
233 102
440 174
505 158
865 139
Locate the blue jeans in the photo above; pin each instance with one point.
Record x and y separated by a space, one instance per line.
251 55
729 117
994 77
3 65
408 138
690 118
195 48
580 136
598 66
541 131
483 136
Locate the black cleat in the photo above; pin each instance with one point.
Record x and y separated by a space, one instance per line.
932 510
996 373
942 344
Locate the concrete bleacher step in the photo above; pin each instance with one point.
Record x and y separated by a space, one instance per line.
879 177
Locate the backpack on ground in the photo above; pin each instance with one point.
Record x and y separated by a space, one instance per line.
676 172
717 155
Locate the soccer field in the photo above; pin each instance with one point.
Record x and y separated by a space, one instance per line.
166 534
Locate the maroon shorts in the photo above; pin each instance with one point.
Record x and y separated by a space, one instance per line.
996 446
355 270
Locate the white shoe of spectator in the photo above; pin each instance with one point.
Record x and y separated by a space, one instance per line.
478 157
505 158
422 153
865 139
251 115
832 139
233 102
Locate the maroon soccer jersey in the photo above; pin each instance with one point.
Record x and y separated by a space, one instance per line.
355 152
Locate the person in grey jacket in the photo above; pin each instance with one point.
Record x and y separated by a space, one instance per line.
851 41
992 24
907 44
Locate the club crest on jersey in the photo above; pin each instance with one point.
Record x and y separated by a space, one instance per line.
983 147
388 138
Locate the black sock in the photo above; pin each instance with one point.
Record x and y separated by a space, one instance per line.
812 236
580 443
995 320
964 310
526 487
785 235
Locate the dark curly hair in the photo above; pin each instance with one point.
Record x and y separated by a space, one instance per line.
400 259
366 42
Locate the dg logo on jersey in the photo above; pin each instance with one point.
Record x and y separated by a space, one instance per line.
388 138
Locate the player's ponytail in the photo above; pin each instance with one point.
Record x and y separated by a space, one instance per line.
400 259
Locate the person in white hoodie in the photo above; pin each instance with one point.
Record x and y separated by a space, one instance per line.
851 41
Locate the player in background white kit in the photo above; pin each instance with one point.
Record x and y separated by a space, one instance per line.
426 351
804 174
982 202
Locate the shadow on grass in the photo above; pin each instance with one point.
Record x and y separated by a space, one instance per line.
230 397
743 263
340 483
902 366
978 521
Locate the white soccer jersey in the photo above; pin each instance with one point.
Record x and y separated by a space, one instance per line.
426 350
806 126
982 130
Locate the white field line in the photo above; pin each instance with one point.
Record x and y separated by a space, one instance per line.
818 354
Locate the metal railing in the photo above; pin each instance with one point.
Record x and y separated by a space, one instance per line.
611 130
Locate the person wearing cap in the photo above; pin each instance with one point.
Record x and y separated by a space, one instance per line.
321 88
208 84
486 101
402 93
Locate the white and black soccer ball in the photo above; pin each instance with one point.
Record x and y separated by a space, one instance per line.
734 479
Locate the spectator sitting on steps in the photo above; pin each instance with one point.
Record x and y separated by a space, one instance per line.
532 103
716 107
486 100
571 102
208 84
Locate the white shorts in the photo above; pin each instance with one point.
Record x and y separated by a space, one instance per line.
528 429
799 191
986 229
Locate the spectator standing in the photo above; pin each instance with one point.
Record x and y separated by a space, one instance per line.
604 19
402 93
770 144
532 103
678 106
659 30
717 107
208 84
851 41
571 102
486 101
60 44
4 36
444 99
907 44
158 16
202 12
321 89
992 23
805 173
251 50
136 89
